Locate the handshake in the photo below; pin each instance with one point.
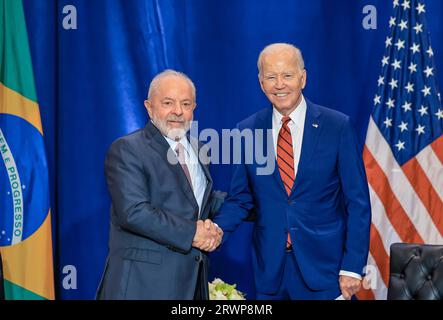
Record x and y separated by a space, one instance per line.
208 236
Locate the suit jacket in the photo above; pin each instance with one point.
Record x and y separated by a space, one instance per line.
327 213
152 223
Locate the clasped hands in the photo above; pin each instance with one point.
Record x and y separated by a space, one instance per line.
349 286
208 236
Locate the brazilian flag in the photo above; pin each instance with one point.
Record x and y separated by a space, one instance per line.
25 215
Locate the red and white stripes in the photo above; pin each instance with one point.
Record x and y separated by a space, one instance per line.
406 202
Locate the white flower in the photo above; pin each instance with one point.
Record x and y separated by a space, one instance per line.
219 290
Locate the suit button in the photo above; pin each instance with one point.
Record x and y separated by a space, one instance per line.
429 277
197 258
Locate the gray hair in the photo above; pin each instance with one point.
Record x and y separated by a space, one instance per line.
166 73
279 47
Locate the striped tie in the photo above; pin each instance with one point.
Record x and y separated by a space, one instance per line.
285 161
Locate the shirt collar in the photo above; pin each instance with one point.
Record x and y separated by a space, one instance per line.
296 115
173 143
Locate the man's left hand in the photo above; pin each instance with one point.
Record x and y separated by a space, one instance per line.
349 286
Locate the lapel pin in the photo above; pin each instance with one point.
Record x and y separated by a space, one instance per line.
315 125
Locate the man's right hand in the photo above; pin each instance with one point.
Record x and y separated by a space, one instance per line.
207 236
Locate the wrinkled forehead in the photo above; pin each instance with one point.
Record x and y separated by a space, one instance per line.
174 87
280 61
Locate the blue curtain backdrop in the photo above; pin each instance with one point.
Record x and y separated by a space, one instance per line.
92 81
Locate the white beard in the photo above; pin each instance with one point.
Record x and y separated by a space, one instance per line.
172 133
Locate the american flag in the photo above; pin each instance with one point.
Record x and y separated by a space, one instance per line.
403 152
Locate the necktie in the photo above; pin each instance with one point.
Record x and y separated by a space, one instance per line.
180 150
285 160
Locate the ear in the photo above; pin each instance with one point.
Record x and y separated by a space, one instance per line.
260 80
148 106
304 75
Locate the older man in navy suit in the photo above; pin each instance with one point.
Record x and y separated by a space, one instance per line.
311 234
162 198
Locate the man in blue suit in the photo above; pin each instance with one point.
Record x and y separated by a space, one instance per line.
162 197
311 232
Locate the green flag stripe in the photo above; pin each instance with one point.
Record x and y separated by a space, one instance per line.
15 292
15 60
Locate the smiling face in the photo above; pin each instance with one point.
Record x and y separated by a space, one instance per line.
282 79
171 106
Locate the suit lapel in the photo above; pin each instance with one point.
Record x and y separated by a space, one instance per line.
160 145
265 123
202 154
312 129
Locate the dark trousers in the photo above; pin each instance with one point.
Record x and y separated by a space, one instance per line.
293 286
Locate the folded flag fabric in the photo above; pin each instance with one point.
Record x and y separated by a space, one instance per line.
25 219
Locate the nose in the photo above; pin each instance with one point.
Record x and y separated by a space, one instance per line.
279 83
178 110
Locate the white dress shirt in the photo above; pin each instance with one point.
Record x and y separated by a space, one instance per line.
296 126
198 177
